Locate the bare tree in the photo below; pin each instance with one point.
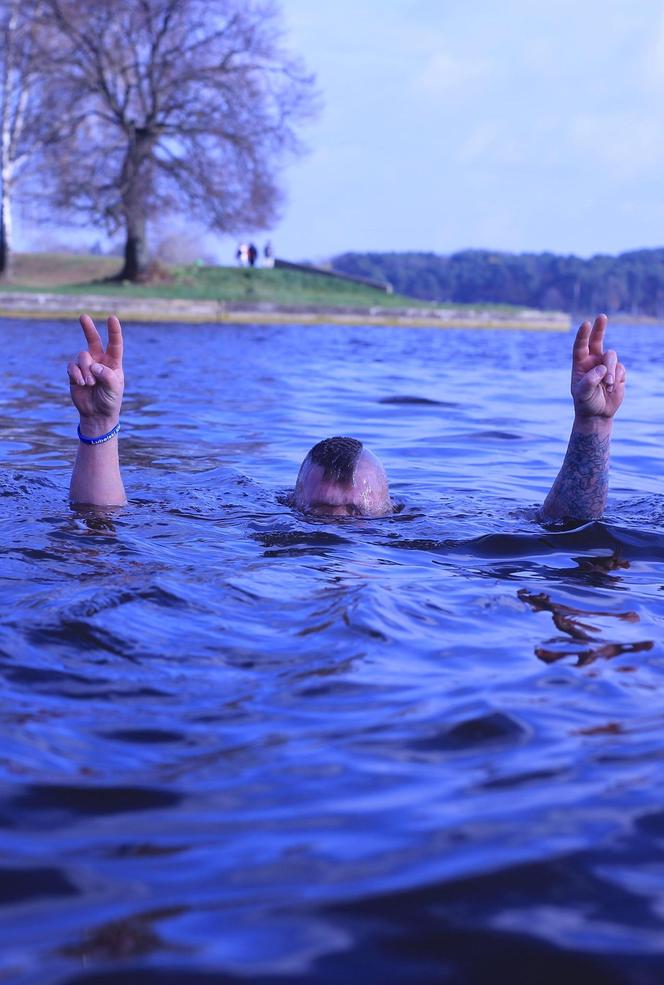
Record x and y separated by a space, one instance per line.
20 107
174 105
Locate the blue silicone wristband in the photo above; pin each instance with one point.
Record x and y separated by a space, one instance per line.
102 437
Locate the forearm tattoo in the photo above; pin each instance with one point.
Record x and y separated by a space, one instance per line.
580 490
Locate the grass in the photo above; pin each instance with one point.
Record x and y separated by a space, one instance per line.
68 273
50 271
62 273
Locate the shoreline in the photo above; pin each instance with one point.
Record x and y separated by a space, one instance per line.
43 306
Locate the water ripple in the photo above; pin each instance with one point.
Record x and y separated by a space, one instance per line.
243 744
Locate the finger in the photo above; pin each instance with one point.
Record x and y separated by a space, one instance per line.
115 345
103 374
589 383
621 373
75 375
92 336
84 360
580 350
610 360
596 344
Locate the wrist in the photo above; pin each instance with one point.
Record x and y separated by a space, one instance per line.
94 427
593 424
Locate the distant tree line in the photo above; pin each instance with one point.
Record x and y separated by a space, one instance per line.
116 112
631 282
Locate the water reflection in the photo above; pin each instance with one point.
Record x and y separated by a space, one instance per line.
568 620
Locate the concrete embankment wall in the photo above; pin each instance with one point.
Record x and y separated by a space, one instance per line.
40 306
308 268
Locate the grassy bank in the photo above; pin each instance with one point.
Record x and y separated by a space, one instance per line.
52 285
61 273
71 274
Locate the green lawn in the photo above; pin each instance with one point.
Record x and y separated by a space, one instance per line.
65 273
84 274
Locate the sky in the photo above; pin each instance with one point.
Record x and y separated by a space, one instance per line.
519 125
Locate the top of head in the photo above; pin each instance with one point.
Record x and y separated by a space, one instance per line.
340 477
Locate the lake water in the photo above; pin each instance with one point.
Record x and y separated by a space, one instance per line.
238 744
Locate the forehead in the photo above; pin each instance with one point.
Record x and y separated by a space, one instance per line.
325 490
366 495
369 468
369 475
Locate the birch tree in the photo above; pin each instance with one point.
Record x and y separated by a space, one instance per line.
19 83
188 106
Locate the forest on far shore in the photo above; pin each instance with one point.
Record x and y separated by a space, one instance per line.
632 283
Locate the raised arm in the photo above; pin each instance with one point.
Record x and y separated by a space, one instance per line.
97 384
598 386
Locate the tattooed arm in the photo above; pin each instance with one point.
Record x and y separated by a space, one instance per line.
579 492
598 387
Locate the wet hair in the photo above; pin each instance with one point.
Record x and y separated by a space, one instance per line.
337 457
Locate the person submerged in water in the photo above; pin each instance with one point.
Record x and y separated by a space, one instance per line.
339 476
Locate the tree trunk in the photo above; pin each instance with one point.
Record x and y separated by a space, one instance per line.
135 180
6 145
5 235
135 251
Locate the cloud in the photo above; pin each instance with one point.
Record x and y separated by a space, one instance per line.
653 56
489 143
444 74
623 144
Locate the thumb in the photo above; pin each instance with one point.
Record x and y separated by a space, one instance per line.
588 383
103 374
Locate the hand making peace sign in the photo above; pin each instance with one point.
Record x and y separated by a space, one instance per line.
96 378
598 379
